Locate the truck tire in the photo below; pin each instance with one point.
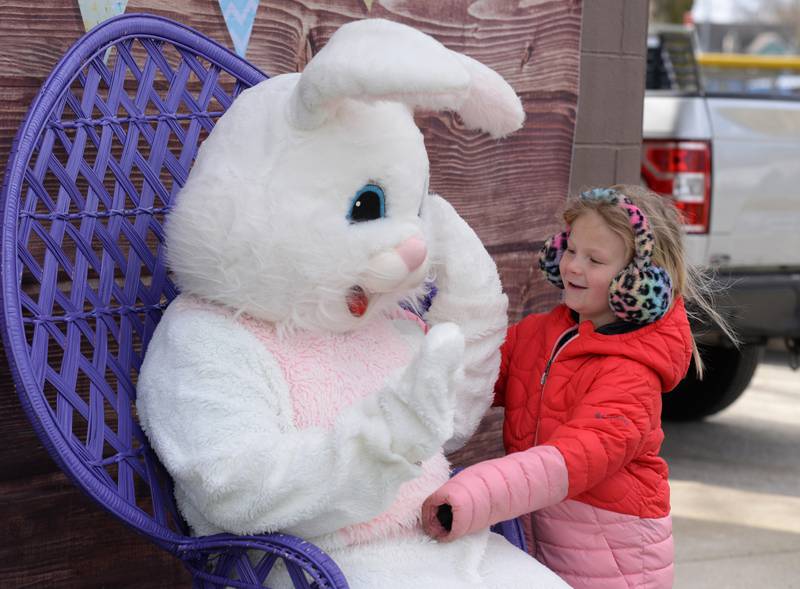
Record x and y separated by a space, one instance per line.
727 373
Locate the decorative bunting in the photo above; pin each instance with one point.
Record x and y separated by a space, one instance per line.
369 4
96 11
239 16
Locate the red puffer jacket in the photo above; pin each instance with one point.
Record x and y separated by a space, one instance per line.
598 402
583 433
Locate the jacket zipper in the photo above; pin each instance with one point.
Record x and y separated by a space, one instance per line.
555 352
542 381
553 355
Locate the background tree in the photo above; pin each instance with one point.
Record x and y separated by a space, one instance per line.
669 11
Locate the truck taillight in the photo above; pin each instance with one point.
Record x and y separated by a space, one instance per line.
682 171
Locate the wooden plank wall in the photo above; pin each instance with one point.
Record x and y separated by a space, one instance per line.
50 534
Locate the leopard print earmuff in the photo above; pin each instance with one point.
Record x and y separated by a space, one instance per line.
642 292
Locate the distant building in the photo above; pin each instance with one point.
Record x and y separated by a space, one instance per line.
756 38
743 26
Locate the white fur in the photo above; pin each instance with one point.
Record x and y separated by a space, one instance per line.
261 230
261 225
216 408
415 69
279 246
470 295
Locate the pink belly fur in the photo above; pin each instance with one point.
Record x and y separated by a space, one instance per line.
325 374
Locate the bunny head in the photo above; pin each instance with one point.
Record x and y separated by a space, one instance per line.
306 204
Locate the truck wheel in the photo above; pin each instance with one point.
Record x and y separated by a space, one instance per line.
727 373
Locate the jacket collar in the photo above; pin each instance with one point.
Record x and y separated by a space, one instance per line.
664 345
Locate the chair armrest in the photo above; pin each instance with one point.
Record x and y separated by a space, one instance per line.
245 562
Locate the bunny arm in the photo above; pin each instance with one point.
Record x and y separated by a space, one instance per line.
470 295
216 409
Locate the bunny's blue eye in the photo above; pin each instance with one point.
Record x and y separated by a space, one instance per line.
368 204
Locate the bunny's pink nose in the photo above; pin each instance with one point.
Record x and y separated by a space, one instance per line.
412 251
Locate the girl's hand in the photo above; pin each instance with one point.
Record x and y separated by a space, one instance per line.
467 511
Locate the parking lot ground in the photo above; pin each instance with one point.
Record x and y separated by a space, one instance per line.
735 481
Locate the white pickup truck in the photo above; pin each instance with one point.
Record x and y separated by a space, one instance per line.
732 164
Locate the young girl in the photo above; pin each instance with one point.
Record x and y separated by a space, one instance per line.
581 386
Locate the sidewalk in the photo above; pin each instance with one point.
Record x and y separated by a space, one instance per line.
735 482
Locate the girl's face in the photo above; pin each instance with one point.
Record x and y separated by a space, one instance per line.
594 256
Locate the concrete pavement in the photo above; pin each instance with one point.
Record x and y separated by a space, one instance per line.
735 482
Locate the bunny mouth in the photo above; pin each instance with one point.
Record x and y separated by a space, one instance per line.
357 301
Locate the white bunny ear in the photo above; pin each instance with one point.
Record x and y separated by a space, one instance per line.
492 104
376 59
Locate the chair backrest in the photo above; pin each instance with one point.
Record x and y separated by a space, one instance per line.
105 147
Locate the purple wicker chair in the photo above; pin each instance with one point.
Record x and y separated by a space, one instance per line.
106 145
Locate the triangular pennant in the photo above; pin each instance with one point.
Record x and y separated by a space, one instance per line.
94 12
369 4
239 16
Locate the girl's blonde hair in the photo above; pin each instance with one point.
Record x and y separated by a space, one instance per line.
669 253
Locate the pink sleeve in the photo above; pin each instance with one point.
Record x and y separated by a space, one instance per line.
497 490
